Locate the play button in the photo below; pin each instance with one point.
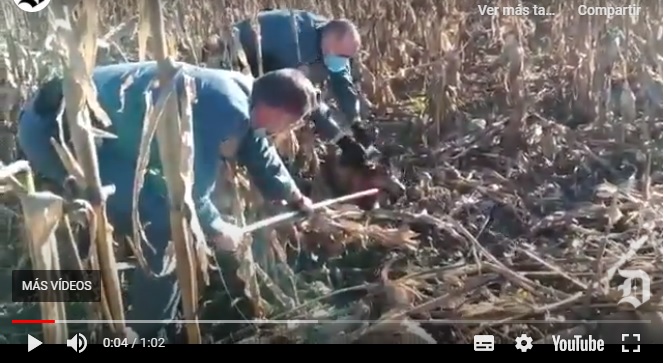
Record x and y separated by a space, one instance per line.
33 343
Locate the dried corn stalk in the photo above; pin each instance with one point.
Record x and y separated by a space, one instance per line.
235 196
513 54
78 41
9 95
42 212
176 130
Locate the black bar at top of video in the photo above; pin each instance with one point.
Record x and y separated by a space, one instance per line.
503 353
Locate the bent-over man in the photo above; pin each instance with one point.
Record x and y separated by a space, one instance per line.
323 49
231 118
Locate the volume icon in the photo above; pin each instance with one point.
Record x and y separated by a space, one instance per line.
78 342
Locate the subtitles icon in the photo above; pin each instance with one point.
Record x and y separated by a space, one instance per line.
78 342
483 342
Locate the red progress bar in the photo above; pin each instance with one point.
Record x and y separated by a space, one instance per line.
28 322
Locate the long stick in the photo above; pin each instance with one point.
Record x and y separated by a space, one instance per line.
286 216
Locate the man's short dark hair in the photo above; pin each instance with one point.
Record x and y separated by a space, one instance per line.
339 27
287 89
49 97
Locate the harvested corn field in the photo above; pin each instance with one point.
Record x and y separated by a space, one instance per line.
530 147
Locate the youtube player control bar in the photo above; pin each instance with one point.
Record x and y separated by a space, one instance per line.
78 342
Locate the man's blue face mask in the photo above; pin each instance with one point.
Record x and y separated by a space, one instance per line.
261 132
335 64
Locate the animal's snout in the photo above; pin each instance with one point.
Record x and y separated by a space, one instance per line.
379 174
363 182
386 179
391 188
394 187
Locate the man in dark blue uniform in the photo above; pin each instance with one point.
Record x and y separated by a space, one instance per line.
322 49
231 119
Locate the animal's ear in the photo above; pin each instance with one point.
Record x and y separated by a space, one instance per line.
364 134
318 96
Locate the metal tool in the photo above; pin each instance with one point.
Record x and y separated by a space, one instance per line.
291 215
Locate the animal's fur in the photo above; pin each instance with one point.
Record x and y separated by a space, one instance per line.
344 180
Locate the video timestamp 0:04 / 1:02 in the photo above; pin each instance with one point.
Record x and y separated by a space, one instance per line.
131 343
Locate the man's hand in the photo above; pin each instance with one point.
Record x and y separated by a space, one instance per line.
303 204
230 239
353 153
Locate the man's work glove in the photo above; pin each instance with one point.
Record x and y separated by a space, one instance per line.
353 153
363 134
230 239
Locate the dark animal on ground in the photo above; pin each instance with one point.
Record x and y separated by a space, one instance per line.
342 179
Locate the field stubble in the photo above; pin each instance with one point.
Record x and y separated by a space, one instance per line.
531 146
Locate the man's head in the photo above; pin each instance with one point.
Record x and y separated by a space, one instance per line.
280 98
49 98
340 42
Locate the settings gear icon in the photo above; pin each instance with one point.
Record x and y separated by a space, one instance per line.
524 343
